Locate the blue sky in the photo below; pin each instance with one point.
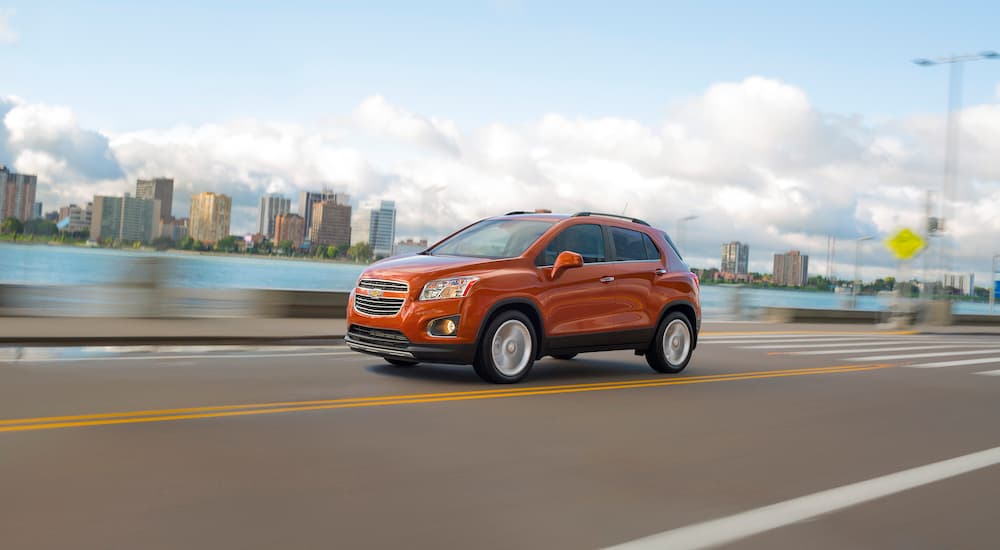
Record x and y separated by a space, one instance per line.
129 65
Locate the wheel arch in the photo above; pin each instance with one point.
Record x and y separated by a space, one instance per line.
688 310
523 305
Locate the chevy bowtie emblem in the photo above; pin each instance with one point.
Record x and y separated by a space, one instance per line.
376 293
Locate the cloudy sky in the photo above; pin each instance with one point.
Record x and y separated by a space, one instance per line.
775 123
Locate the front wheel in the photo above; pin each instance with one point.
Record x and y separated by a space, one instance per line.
673 345
507 350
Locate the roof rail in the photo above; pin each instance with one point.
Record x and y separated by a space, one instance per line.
629 218
516 212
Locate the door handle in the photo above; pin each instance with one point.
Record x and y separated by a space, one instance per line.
607 279
661 271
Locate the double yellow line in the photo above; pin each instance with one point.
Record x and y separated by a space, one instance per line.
191 413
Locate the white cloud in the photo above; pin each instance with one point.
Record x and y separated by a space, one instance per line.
7 34
754 160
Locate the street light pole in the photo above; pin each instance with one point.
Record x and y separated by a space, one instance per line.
857 263
948 189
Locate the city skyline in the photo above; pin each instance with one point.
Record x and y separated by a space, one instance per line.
765 147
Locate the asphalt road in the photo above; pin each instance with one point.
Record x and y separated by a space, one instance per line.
319 447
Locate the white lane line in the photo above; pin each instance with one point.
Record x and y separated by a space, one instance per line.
939 364
919 355
797 342
812 346
171 357
989 372
874 350
752 522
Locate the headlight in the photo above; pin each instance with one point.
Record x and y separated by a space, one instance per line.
440 289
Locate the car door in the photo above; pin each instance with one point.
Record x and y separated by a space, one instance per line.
579 300
635 264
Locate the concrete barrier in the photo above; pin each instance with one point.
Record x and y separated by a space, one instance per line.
808 315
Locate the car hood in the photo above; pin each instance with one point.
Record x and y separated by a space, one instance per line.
423 267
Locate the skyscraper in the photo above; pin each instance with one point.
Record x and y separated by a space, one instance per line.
161 189
308 199
210 214
36 212
382 230
331 224
791 269
271 206
123 218
289 227
735 258
17 195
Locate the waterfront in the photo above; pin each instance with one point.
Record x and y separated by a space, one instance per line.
78 266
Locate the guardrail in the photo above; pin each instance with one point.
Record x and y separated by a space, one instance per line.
152 301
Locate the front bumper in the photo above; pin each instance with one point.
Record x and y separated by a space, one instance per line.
392 343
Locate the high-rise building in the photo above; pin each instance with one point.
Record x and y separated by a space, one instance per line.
105 223
210 214
308 199
161 189
17 195
791 269
735 258
37 211
289 227
123 218
965 283
382 231
74 219
271 206
176 229
331 224
361 221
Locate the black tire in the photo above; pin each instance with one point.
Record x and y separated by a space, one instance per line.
674 359
401 363
564 356
519 331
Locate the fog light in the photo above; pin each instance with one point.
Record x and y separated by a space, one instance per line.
444 327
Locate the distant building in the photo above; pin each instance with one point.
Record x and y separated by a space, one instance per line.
271 206
964 283
382 230
17 195
331 224
37 212
210 215
735 258
161 189
176 229
52 216
791 269
361 221
308 199
410 247
289 227
75 219
123 218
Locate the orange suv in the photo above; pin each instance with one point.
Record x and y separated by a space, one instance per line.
505 291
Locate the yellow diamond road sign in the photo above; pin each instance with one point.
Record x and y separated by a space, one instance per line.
905 244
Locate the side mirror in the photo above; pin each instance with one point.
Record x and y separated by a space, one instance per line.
566 260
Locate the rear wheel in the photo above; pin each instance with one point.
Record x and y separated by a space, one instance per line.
673 345
507 350
401 363
564 356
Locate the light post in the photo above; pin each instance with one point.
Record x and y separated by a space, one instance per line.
955 64
857 263
680 230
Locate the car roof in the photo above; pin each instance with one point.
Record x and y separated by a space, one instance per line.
548 216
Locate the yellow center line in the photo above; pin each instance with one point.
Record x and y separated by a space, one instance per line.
504 390
137 417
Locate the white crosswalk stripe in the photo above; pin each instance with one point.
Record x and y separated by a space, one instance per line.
866 348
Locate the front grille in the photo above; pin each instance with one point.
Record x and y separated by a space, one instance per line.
378 337
381 306
378 284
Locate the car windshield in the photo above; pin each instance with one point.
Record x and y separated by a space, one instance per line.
496 239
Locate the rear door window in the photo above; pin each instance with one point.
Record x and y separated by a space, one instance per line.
586 240
631 246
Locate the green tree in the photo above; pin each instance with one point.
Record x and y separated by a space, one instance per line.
286 246
331 251
40 226
360 252
12 226
163 243
226 244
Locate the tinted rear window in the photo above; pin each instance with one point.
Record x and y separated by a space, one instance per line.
631 245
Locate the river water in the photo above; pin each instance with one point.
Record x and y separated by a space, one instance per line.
79 266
